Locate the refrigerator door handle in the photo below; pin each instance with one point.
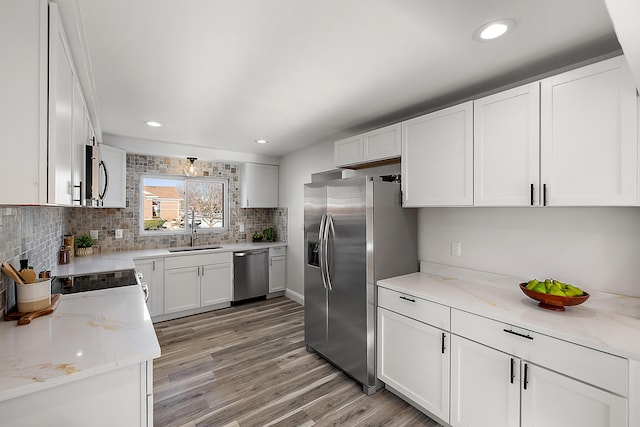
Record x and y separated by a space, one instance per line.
323 223
328 228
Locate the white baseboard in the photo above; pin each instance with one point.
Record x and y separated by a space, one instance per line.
292 295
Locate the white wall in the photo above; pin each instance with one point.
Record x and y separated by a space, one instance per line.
595 248
295 171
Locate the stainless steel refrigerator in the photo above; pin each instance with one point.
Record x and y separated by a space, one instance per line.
356 233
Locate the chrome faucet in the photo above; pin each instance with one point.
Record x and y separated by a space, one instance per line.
194 234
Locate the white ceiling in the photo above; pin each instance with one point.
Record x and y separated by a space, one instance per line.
222 73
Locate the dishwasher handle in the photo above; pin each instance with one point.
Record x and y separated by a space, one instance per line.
252 252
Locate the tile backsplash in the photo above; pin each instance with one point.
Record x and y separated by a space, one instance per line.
32 232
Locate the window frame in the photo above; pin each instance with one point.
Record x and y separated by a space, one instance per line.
226 218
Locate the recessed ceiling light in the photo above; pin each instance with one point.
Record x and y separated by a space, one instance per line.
493 29
153 124
261 141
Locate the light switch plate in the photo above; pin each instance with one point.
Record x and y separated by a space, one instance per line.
94 234
119 233
241 227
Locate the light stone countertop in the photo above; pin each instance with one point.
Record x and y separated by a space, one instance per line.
606 322
89 333
115 261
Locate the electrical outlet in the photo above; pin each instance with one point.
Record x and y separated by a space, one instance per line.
119 233
456 248
241 227
94 234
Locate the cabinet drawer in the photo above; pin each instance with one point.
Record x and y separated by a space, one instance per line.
277 251
197 259
592 366
422 310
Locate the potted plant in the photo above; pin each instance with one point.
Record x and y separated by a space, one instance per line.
269 234
84 245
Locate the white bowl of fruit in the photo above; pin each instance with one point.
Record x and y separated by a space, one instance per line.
552 294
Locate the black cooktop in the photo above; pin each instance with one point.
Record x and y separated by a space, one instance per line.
94 282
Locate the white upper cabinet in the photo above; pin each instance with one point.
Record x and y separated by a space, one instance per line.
506 148
23 109
42 108
348 151
589 145
437 158
113 177
61 97
258 185
370 147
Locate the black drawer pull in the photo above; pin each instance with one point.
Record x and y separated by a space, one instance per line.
526 375
443 346
407 299
529 337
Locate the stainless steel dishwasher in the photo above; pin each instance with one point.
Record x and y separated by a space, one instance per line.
250 274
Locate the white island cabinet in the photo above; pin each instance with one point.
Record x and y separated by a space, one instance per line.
511 361
88 364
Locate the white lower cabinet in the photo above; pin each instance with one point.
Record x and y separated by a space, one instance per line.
413 359
485 386
115 398
553 400
153 275
473 371
194 281
277 269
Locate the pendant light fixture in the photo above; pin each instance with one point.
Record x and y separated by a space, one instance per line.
191 170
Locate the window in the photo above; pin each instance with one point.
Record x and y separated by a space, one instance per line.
169 204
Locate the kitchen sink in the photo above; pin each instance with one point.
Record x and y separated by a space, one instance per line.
194 248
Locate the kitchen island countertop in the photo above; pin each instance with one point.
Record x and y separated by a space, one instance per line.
116 261
89 333
605 322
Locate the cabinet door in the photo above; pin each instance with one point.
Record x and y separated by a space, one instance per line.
506 147
181 289
437 158
151 270
383 143
589 136
61 81
413 358
485 386
277 273
216 283
553 400
115 160
348 151
258 186
78 143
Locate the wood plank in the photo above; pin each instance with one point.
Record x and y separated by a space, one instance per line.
248 366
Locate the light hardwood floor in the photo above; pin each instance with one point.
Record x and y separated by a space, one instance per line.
248 366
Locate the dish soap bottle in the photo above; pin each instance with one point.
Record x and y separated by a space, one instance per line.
27 273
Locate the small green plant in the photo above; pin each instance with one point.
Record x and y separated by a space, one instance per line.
269 234
84 242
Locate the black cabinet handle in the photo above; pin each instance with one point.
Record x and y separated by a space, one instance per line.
544 194
407 299
529 337
512 370
443 346
526 375
531 194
